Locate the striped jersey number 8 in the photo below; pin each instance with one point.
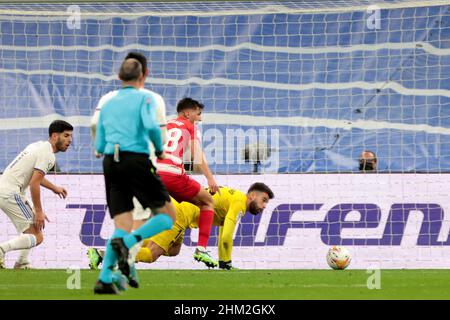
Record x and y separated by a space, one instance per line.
173 137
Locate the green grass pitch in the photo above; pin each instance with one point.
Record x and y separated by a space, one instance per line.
235 284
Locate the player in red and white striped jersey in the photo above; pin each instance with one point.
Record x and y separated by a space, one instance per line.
183 141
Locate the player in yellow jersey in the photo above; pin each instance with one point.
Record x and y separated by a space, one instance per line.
229 206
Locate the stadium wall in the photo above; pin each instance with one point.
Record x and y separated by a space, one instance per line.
386 221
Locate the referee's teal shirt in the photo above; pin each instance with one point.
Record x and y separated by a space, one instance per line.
128 118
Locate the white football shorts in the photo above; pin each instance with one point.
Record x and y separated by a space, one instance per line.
19 211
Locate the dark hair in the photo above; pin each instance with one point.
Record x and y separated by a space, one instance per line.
373 153
259 186
130 70
59 126
139 57
188 103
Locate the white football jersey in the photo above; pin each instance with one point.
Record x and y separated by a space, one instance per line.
161 118
17 175
160 108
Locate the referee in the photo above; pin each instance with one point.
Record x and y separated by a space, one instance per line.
126 125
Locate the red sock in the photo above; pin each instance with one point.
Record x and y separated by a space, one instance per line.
204 225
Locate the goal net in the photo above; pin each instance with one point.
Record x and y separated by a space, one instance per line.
288 88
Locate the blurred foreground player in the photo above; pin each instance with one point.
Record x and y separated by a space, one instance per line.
126 126
161 119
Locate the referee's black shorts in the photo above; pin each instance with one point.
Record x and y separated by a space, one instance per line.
135 176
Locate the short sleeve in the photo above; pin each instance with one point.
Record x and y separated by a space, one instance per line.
44 162
105 99
148 112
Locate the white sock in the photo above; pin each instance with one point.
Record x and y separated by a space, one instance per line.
24 241
23 257
135 250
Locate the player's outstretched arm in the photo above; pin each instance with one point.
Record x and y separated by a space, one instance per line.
226 234
202 164
220 244
60 191
226 243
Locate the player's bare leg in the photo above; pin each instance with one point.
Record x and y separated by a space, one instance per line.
150 252
174 250
141 253
123 223
138 223
122 245
30 238
22 261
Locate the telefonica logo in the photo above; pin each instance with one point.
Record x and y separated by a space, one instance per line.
330 227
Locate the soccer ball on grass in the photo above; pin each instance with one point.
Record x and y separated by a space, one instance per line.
338 258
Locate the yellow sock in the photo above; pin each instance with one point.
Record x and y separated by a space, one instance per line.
144 255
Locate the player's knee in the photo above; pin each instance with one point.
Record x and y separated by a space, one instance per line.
174 251
208 201
203 199
210 204
38 235
39 238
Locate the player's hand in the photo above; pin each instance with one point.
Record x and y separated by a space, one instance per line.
39 220
213 186
98 155
61 192
161 155
226 265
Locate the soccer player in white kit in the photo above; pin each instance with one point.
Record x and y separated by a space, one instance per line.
28 169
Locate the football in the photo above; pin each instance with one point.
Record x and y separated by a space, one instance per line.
338 258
